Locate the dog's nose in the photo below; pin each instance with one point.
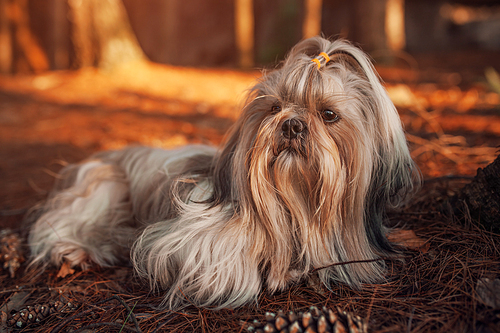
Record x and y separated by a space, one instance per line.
292 127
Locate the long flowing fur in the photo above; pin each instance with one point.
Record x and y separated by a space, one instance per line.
288 191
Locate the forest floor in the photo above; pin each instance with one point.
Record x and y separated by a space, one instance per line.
452 117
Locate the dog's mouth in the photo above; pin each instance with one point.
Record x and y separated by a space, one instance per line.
291 147
291 138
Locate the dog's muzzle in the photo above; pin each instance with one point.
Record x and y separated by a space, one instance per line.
292 128
292 138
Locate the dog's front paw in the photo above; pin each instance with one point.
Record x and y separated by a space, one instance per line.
71 253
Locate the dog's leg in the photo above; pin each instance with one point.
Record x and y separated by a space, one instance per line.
88 221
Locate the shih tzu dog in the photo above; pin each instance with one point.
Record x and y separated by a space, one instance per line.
302 182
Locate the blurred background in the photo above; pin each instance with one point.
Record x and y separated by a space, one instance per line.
37 35
79 76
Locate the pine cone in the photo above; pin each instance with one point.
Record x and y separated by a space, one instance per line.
313 321
35 314
10 251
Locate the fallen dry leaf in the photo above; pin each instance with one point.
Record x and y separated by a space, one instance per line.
408 239
65 270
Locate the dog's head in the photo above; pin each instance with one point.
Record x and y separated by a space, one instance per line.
319 146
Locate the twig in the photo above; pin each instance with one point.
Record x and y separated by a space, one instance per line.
353 262
157 329
94 325
125 305
129 314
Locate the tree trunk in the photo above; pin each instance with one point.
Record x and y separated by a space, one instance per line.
102 34
312 19
244 23
395 24
479 201
368 24
58 31
30 55
5 39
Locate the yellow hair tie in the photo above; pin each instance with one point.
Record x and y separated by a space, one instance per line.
317 62
324 55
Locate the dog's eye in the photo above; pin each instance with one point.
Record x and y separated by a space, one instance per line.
276 108
329 116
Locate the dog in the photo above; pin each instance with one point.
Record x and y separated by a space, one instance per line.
302 181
